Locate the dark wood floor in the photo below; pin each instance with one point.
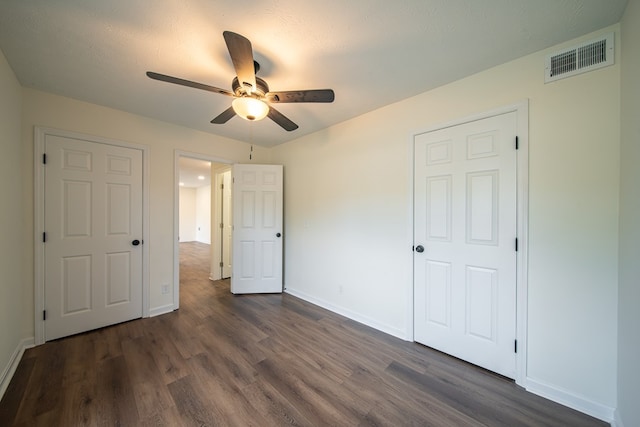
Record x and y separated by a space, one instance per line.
258 360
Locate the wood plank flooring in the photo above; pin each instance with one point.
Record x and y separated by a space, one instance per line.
259 360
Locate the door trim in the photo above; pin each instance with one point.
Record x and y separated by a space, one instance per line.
216 219
176 213
521 109
40 133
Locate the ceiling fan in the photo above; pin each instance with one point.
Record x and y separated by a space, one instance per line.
251 94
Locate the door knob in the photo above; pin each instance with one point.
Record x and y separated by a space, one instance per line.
278 234
420 249
135 242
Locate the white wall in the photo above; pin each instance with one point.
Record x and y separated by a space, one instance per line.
187 214
349 227
163 140
195 214
203 214
629 291
12 327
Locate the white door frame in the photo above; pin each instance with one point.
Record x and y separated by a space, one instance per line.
217 242
176 214
40 134
522 211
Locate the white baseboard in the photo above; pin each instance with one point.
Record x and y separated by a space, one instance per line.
398 333
10 369
617 421
566 398
161 310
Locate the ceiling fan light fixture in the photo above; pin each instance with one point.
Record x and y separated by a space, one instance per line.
252 97
250 108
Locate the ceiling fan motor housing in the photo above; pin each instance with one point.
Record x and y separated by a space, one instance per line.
261 88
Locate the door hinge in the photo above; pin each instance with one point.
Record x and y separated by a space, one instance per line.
44 314
515 346
221 225
221 264
222 186
517 143
516 244
44 158
44 237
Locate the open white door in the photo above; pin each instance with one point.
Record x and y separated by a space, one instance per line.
257 229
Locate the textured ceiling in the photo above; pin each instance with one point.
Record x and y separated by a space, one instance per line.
191 169
371 52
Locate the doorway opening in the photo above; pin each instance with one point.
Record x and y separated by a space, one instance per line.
202 211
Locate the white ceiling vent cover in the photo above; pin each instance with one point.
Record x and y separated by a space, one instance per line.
585 57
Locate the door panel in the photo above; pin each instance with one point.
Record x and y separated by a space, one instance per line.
438 298
76 284
118 283
438 200
118 209
481 302
257 231
93 212
465 218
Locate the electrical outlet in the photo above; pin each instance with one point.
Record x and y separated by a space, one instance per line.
165 289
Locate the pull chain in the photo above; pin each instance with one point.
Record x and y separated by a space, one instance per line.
251 139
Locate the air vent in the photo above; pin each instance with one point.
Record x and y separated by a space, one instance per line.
579 59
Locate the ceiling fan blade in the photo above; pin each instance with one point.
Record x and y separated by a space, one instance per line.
281 119
241 54
315 95
189 83
224 116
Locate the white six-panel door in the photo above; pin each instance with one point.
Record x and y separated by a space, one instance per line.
257 229
465 230
92 215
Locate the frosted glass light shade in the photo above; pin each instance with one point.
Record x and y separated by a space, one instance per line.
250 108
